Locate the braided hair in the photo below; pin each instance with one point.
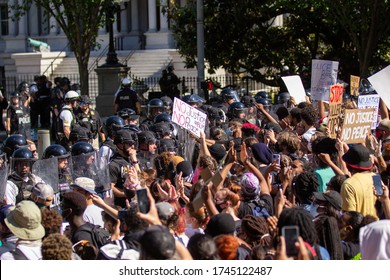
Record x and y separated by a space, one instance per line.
329 236
304 185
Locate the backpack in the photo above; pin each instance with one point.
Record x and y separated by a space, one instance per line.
99 235
117 250
259 208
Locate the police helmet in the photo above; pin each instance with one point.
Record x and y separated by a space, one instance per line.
75 87
126 113
22 153
132 128
15 94
283 97
164 117
80 148
365 87
146 137
262 94
13 142
114 123
195 99
80 133
71 96
167 145
264 101
235 109
167 101
124 136
55 150
126 82
162 129
155 103
228 94
23 86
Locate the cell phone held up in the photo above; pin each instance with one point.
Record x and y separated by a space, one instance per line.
290 234
377 184
276 157
143 201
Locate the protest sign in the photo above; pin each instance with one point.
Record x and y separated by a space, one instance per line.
354 85
188 117
370 101
381 83
335 108
357 124
295 88
323 75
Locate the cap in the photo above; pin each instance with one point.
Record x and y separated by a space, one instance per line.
220 224
333 197
85 99
44 192
185 167
85 184
165 210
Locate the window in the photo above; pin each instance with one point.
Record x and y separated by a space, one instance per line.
4 19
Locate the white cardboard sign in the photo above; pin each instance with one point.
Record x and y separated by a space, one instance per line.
370 101
381 83
323 75
188 117
295 88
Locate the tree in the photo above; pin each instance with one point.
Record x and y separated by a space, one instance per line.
239 35
80 20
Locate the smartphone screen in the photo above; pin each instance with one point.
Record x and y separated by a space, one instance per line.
290 234
276 157
143 201
377 184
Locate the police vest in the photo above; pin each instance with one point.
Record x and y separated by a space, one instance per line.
88 121
60 123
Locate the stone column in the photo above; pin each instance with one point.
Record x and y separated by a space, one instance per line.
124 20
53 25
11 23
152 15
134 15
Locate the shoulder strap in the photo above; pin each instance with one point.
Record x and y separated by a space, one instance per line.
18 254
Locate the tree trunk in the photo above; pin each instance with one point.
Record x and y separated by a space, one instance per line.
84 77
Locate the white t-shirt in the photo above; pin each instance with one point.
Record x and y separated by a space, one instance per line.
66 116
93 215
31 252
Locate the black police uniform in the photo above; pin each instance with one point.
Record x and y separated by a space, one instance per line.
126 98
91 121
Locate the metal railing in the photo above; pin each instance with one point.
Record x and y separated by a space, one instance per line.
100 56
52 62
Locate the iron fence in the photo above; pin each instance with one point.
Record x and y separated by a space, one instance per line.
148 84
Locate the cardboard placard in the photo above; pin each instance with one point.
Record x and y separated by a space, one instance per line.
357 124
188 117
335 108
295 88
206 174
370 101
354 85
323 75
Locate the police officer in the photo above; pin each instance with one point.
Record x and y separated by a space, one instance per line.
127 98
21 180
18 117
123 159
147 149
108 148
155 107
67 119
237 110
64 169
228 97
90 119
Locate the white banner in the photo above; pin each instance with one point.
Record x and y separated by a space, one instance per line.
323 75
370 101
295 88
188 117
381 83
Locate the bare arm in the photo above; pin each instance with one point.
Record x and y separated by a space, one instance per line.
67 131
265 113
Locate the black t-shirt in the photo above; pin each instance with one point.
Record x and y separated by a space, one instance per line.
126 98
246 208
117 175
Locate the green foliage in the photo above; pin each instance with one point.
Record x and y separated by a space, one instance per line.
239 35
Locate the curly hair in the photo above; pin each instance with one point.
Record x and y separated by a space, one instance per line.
289 141
227 246
208 161
309 115
161 162
304 186
85 250
56 247
51 221
255 231
201 216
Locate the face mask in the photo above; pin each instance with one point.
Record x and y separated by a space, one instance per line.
219 207
313 210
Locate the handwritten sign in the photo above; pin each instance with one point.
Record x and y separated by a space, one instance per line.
357 124
188 117
354 85
335 108
323 75
370 101
295 88
381 83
